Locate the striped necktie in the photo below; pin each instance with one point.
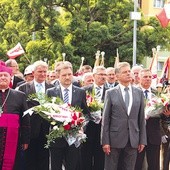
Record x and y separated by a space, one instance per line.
66 96
98 92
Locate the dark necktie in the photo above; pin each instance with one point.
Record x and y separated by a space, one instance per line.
111 85
66 96
146 94
126 97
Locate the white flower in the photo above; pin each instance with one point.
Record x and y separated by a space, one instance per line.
53 99
53 123
55 128
65 123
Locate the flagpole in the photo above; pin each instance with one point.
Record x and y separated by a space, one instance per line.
27 59
134 35
135 16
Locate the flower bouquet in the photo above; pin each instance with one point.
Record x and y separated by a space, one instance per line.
66 121
95 107
156 105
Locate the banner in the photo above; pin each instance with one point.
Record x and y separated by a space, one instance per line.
16 51
164 16
165 76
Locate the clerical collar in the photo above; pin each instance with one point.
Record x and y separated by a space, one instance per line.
4 90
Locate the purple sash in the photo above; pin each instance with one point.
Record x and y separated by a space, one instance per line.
11 122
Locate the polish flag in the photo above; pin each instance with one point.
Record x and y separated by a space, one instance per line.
164 16
16 51
165 76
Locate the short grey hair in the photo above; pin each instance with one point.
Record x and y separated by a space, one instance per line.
144 70
98 68
86 75
9 62
65 65
120 65
110 69
39 63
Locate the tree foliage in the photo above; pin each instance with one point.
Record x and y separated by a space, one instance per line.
78 28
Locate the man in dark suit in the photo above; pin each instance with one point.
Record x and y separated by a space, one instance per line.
123 122
153 130
11 63
92 153
60 150
37 157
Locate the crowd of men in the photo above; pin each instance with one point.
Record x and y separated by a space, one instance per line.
122 138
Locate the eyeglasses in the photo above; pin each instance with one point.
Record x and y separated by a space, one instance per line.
110 74
101 74
14 66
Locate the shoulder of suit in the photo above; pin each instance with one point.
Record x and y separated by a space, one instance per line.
78 88
16 92
136 88
26 84
48 85
88 87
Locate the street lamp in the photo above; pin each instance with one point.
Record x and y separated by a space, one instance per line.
135 16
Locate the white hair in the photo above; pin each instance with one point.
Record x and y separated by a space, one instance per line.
86 75
39 63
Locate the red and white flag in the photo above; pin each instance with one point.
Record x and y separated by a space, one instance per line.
164 16
165 76
16 51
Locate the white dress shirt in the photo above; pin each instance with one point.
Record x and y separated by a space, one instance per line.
36 84
149 93
69 92
130 96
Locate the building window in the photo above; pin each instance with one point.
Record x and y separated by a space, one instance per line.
160 65
159 3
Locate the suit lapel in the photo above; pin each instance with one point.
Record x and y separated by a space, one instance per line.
73 95
58 92
32 87
134 96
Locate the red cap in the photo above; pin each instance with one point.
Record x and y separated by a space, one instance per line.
3 68
2 63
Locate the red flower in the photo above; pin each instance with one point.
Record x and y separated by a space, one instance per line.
80 121
74 117
67 127
73 122
89 98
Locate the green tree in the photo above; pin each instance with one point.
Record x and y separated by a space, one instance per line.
78 28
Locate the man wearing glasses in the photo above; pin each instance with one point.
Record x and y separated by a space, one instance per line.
92 153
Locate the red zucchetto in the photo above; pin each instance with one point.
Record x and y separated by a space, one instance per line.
3 68
2 63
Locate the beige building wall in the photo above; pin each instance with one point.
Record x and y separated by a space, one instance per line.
148 9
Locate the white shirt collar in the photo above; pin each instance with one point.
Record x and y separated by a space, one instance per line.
95 85
123 87
43 83
69 88
149 89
